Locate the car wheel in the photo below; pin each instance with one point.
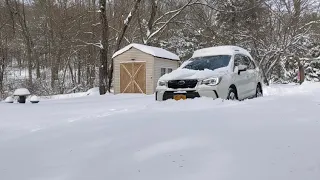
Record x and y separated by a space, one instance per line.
259 92
232 95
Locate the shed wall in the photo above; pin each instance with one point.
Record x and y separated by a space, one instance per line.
127 56
163 63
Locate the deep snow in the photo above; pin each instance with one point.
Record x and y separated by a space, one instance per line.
132 137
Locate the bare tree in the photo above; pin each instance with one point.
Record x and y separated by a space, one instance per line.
68 45
19 10
120 37
103 68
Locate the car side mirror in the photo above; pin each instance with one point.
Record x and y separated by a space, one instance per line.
241 68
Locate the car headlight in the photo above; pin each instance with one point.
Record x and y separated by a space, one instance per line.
211 81
162 83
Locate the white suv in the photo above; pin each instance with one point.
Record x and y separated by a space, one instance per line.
227 72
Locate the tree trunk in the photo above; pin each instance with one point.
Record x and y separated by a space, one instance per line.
29 57
3 60
38 67
27 37
79 71
92 50
103 65
71 74
120 38
2 68
1 77
301 72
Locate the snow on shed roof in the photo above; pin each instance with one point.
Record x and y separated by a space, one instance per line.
154 51
220 50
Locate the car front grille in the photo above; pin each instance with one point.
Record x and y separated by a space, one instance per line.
189 95
177 84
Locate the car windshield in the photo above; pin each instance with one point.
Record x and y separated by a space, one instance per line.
208 62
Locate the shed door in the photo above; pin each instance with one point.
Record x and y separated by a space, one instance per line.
133 77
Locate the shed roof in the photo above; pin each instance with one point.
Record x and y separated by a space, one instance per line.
154 51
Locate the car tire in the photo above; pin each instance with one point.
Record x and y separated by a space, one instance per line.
259 92
232 94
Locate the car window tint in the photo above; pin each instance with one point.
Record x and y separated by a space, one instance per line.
246 61
208 62
252 64
249 63
239 60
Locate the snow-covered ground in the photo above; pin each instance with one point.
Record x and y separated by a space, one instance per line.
132 137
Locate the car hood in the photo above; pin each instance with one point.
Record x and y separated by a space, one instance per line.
193 74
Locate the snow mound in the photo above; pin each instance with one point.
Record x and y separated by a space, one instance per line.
290 89
154 51
93 91
220 50
9 100
21 92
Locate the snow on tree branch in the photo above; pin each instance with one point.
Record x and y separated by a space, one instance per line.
127 19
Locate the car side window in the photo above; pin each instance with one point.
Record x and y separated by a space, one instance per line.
249 63
237 60
252 64
246 61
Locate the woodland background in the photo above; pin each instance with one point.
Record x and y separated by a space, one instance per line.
63 46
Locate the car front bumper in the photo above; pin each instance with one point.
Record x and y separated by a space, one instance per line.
163 94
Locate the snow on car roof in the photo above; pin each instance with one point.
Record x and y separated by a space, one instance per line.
154 51
220 50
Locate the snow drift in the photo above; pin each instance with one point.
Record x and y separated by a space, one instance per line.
133 137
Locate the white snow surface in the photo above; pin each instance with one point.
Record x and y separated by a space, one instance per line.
193 74
154 51
21 92
220 50
122 137
93 91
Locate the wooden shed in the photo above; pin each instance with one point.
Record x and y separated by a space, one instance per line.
137 68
